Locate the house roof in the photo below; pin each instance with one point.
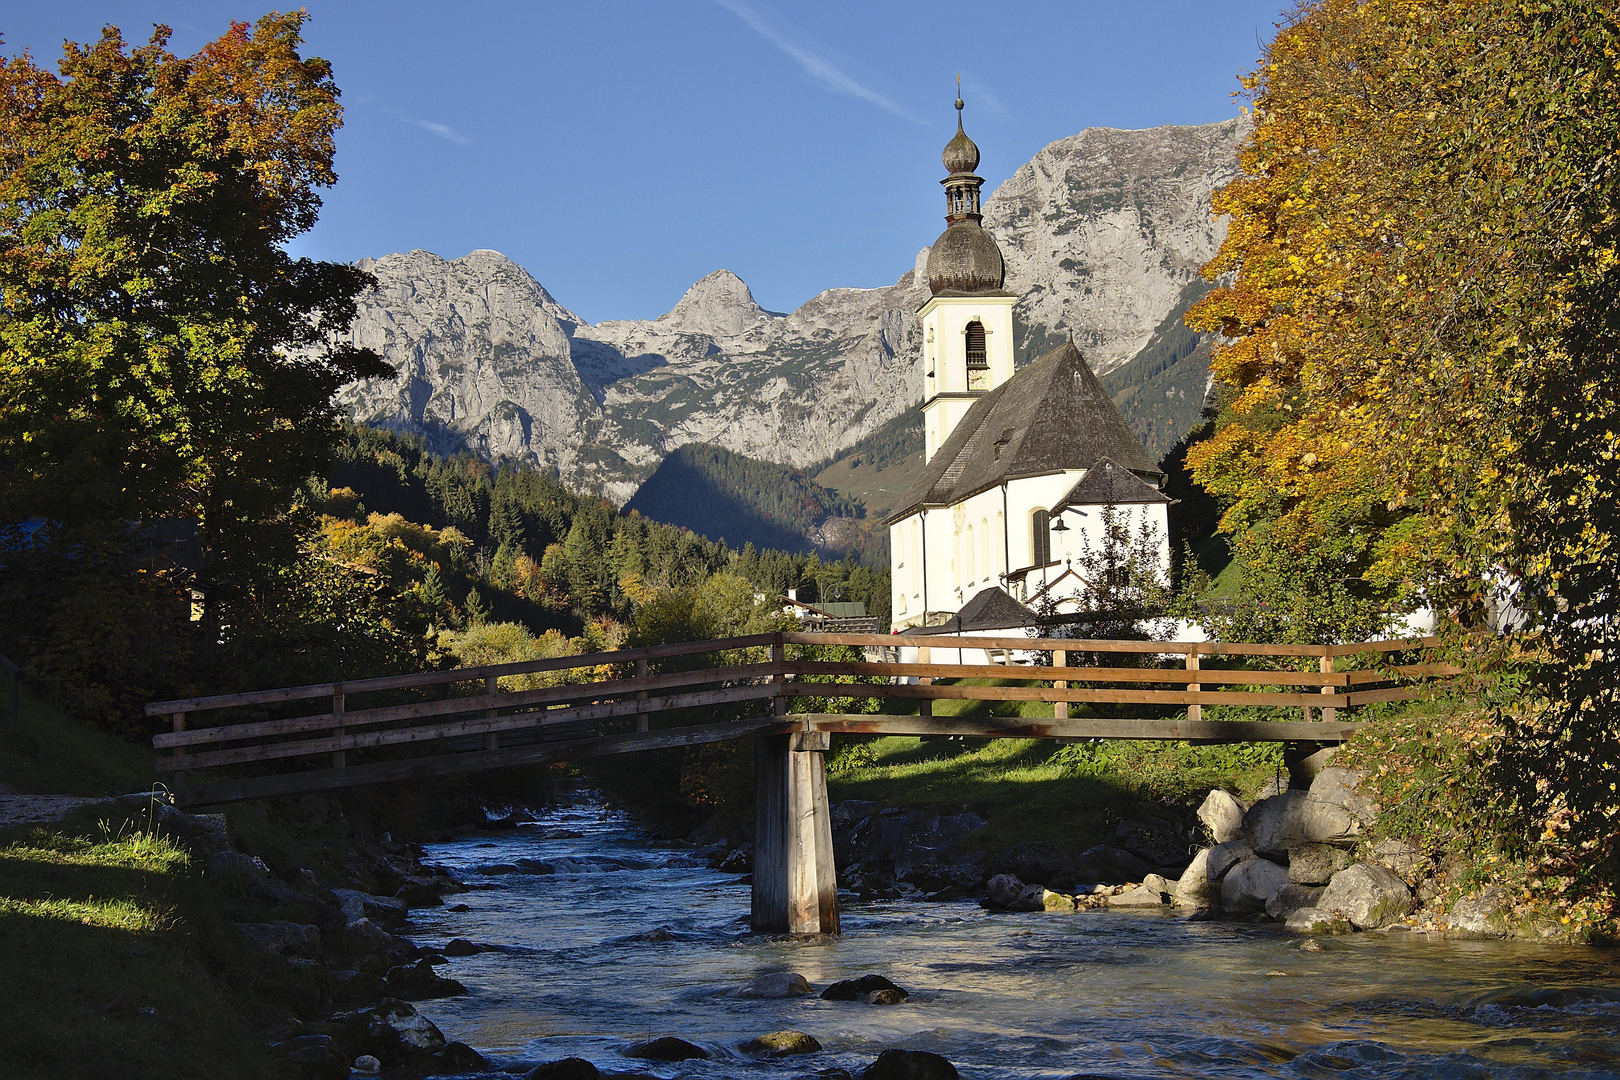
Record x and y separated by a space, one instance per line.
1050 417
1108 483
990 609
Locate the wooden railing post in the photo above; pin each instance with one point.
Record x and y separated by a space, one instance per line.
1060 709
925 707
492 686
339 758
179 751
641 696
779 703
1195 711
1329 713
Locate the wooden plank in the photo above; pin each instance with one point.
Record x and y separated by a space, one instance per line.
1060 709
1395 693
240 755
804 893
1393 645
456 675
768 907
1012 727
1195 712
1018 673
1037 693
826 872
1024 644
296 783
1390 674
451 706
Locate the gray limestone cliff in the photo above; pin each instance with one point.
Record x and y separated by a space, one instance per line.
1102 232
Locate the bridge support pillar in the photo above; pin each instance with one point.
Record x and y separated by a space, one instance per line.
795 887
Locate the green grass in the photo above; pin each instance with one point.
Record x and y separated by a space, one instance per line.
103 940
1037 789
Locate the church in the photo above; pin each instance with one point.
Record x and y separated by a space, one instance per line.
1019 463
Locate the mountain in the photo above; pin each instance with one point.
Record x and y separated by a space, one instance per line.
1103 232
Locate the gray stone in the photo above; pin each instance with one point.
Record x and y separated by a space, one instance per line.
1222 815
566 1069
1249 885
1195 889
1368 896
910 1065
460 947
418 982
668 1048
285 938
1033 863
1111 863
1274 825
1222 857
781 1044
1315 864
365 937
383 910
1140 897
394 1033
458 1057
235 870
1154 844
1486 914
350 986
1310 920
1290 898
1004 890
852 989
1341 787
893 996
365 1063
1056 901
776 984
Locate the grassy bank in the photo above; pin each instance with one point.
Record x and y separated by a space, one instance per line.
1071 795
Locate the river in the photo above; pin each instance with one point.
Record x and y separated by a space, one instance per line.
630 940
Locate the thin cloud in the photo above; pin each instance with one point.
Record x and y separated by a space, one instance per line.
980 96
817 67
443 131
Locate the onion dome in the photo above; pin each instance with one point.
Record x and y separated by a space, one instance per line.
961 153
965 258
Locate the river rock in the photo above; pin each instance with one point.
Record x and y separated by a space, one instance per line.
367 1064
889 996
1250 884
365 938
1056 901
351 987
1222 815
535 866
1311 920
383 910
284 938
567 1069
1107 863
418 895
782 1044
1195 889
777 984
1486 914
1143 896
1036 861
1334 786
418 982
1222 857
458 1057
1004 890
668 1048
394 1033
1315 864
1290 898
235 870
1406 861
1153 843
1367 895
1274 825
852 989
460 947
910 1065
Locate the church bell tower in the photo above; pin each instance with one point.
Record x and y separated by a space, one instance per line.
967 321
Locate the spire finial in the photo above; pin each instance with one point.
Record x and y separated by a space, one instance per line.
959 100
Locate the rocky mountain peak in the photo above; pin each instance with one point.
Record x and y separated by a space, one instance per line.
719 305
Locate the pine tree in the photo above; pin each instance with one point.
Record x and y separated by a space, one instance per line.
477 612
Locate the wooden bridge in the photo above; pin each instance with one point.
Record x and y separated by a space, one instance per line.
406 727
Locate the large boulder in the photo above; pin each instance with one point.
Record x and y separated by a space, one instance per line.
1368 896
781 1044
1056 901
395 1034
1035 862
668 1048
1222 857
1249 885
1486 914
285 938
1335 811
1315 864
1195 889
1143 896
458 1057
853 989
383 910
1311 920
1154 844
567 1069
1274 825
910 1065
1003 890
1290 898
418 982
777 984
1408 863
1222 815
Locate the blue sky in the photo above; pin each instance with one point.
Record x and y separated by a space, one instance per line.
621 149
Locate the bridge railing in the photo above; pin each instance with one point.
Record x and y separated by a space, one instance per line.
606 702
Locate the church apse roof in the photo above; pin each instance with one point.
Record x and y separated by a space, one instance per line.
1052 416
1109 484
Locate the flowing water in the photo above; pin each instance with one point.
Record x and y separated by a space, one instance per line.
628 940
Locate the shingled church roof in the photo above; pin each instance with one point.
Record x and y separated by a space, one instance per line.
1051 417
989 609
1109 484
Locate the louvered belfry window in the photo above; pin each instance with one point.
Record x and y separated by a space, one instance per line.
976 355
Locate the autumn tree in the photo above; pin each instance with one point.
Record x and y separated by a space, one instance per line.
162 356
1420 378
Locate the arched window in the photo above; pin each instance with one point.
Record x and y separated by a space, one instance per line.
967 557
984 548
978 361
1041 539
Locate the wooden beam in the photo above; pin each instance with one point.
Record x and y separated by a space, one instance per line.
1168 648
1038 693
297 783
1018 673
1013 727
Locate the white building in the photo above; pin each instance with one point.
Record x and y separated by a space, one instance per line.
1018 467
